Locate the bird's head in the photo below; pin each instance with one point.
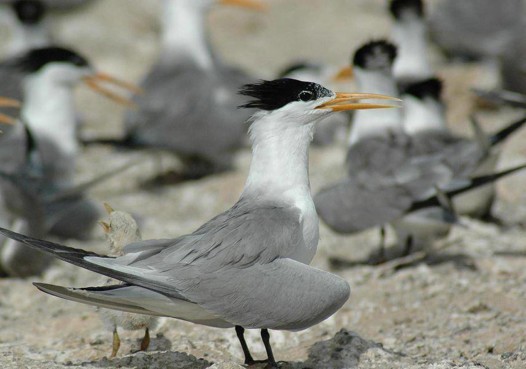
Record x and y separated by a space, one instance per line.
66 67
377 55
29 12
374 56
406 9
305 102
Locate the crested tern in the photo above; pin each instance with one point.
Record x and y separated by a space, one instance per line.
41 151
247 267
389 169
188 105
409 34
29 30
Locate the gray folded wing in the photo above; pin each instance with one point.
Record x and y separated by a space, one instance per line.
237 267
187 111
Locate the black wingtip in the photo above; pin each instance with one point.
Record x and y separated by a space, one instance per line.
473 183
505 132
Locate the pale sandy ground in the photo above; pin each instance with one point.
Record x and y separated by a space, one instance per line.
464 308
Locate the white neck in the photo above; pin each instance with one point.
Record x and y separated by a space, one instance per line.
423 115
378 121
280 170
412 62
184 34
24 38
49 112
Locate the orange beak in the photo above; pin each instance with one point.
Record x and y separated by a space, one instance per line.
343 74
96 81
347 101
8 103
249 4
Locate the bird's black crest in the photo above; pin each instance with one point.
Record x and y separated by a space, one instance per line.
35 59
377 54
428 88
302 65
272 95
399 7
29 11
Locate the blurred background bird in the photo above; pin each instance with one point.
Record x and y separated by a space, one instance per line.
189 105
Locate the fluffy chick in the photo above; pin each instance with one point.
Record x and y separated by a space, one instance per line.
121 230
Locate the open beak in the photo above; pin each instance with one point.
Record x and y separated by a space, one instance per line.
347 101
97 80
250 4
8 103
344 74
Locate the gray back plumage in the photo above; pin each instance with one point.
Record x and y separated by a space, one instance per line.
189 111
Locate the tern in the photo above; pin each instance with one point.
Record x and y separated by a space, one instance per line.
29 30
409 34
189 104
41 152
393 162
247 267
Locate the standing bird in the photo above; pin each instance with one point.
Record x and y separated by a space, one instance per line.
29 30
121 230
394 161
409 34
188 105
247 267
41 152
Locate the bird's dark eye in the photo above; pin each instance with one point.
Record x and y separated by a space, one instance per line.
306 96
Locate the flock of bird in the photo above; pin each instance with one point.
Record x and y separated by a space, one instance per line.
248 267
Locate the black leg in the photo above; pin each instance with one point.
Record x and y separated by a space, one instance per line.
408 245
265 336
240 331
381 254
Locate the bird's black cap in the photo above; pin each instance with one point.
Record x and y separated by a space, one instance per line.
377 54
29 11
431 87
398 7
35 59
272 95
301 65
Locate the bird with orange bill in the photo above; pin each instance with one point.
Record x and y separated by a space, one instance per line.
189 101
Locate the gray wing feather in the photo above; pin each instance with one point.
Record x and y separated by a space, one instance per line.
188 111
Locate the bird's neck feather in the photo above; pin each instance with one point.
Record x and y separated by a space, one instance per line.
49 111
280 157
423 115
377 121
412 60
184 34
